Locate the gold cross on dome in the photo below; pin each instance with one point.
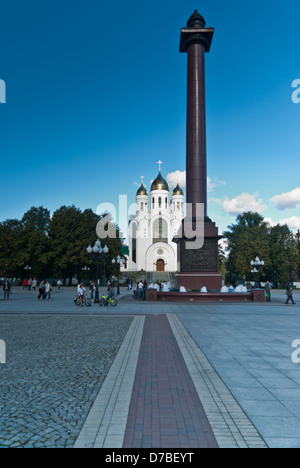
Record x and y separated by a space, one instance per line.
142 178
160 163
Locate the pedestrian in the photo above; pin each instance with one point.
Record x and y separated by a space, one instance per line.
145 287
10 283
29 284
41 290
140 289
48 290
59 284
6 288
25 284
34 283
268 291
289 294
91 289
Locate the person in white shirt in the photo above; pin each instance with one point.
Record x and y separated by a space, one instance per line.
81 292
48 290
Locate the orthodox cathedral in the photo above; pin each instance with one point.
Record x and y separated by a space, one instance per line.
152 228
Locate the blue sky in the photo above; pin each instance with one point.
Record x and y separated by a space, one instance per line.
96 95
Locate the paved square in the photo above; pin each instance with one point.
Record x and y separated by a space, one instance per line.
64 362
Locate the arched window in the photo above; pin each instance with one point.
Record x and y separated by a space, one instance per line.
166 203
160 231
159 202
142 206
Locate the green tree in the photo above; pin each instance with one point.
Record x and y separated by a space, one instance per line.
246 240
25 242
9 230
284 254
70 233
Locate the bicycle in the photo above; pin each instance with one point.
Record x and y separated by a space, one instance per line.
112 301
87 301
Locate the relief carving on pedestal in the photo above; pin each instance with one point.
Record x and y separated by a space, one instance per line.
204 259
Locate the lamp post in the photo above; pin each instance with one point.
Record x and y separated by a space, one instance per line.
85 269
97 250
257 264
27 269
118 261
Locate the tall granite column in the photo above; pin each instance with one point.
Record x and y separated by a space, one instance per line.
198 266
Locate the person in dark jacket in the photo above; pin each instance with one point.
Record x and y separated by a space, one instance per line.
6 289
268 291
289 294
42 290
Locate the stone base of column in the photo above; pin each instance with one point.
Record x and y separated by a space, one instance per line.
200 267
196 281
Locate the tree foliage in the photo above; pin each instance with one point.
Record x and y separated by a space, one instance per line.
252 237
53 246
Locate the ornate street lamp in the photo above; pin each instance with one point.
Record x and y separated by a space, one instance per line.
257 264
119 262
27 269
97 250
85 269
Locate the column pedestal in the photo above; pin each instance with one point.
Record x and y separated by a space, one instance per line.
200 267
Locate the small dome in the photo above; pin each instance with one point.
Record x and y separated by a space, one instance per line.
177 191
142 191
160 183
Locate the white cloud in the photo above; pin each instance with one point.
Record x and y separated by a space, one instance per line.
270 222
244 202
293 222
179 177
213 184
287 200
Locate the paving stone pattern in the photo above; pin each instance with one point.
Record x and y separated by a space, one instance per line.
55 368
165 408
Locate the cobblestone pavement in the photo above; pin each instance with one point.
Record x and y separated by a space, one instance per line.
54 369
72 373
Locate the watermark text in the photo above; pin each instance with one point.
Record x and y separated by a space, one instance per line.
2 352
2 92
296 93
296 353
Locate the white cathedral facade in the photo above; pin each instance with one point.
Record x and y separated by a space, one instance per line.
156 222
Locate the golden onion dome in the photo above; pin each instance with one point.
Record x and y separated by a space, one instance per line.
142 191
177 190
160 183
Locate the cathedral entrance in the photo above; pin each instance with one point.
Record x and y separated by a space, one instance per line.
160 266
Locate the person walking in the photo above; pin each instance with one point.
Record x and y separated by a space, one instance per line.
91 289
6 289
41 290
268 291
34 283
48 290
59 284
140 289
145 287
289 294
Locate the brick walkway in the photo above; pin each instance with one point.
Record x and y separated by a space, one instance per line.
165 409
